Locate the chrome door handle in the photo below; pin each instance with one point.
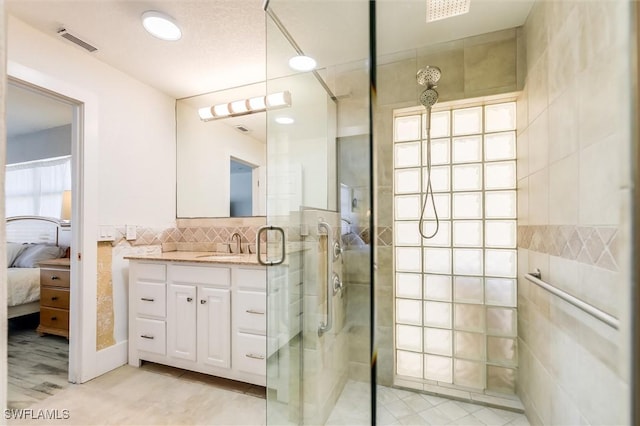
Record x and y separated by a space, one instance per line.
262 230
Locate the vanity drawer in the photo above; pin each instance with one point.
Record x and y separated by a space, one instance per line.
252 278
251 311
151 335
215 276
250 354
151 299
151 271
54 297
54 277
54 318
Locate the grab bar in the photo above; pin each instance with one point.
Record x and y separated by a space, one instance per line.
333 280
536 278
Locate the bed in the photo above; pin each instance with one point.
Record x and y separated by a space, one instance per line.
31 239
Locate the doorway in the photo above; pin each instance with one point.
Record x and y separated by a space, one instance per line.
38 200
243 180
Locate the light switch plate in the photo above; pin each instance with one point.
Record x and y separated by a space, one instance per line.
131 232
106 233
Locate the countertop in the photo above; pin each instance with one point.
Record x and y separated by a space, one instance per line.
199 257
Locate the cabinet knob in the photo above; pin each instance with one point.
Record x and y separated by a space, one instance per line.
203 301
54 277
189 299
54 318
54 297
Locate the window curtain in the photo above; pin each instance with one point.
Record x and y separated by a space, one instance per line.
35 188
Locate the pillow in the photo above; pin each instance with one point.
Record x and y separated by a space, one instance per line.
13 251
37 253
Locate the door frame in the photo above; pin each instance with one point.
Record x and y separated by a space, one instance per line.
84 359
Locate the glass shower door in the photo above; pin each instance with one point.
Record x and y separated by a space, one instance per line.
318 346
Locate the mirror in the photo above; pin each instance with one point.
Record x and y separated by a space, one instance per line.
221 164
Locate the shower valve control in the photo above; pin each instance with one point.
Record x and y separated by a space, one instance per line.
337 250
337 283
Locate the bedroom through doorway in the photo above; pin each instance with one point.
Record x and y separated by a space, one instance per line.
39 183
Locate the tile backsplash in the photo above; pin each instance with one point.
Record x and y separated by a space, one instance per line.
196 234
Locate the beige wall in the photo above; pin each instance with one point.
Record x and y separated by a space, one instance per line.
574 194
477 66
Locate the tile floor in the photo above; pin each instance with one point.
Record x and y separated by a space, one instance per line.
158 395
153 396
400 407
37 366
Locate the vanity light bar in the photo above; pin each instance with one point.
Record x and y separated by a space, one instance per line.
246 106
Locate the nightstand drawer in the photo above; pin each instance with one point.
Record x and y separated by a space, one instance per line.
54 297
54 277
54 318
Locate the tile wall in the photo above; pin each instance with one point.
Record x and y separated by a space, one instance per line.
500 57
573 209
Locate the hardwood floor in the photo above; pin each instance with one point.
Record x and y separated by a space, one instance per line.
37 365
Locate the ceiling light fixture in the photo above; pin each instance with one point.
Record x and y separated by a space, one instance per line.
246 106
161 25
285 120
443 9
302 63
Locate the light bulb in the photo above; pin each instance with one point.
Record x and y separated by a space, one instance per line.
221 110
205 113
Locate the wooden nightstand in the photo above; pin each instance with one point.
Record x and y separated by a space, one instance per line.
54 297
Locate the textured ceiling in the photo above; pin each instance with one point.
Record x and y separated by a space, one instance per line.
223 43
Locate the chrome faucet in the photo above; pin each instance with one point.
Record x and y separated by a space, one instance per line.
238 242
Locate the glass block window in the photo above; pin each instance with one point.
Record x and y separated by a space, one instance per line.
455 294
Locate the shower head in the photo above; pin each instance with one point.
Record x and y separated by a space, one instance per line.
428 98
428 76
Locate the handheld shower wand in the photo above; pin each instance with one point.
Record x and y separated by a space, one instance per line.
428 76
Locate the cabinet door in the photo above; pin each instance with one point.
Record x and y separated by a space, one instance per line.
214 327
181 321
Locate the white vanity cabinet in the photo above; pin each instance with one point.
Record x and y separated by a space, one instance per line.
250 321
209 318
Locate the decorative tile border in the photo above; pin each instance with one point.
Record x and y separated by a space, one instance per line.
208 238
212 238
586 244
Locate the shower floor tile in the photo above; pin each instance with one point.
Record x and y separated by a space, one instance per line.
401 407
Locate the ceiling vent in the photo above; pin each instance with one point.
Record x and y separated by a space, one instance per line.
65 34
241 128
443 9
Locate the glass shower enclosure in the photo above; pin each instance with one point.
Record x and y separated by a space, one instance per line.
317 238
